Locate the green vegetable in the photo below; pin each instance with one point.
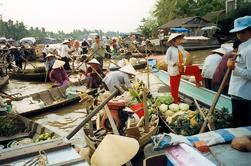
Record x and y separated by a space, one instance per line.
163 107
174 107
183 107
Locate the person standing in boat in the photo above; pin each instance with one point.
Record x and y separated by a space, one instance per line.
14 52
64 54
222 69
240 81
120 77
98 49
209 66
179 64
58 76
49 62
93 78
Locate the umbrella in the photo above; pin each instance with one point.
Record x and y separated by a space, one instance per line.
28 40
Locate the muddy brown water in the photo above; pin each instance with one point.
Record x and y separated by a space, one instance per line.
63 120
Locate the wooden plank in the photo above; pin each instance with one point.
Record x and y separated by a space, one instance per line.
69 162
27 150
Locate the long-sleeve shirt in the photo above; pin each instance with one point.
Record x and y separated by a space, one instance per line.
99 49
116 78
172 57
240 81
58 76
210 64
222 69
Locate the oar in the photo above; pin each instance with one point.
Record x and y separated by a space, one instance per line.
6 94
209 118
99 76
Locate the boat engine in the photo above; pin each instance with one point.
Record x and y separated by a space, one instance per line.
120 117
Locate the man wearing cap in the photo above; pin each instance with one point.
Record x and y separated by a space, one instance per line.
93 74
64 53
222 69
210 64
240 81
178 64
58 75
99 50
120 77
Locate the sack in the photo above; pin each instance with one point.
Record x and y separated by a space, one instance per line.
161 64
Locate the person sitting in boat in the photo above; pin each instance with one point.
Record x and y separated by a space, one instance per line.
93 74
120 78
49 62
58 75
178 64
209 66
222 69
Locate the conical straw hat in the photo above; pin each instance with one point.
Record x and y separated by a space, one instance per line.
115 150
128 69
49 55
219 50
94 61
58 64
66 41
174 35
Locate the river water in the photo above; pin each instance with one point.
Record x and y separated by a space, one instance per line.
63 120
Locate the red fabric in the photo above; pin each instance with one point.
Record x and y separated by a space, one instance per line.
175 80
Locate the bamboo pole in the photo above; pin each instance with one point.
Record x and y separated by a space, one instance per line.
111 120
146 115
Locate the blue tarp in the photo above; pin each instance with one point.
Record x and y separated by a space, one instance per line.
179 30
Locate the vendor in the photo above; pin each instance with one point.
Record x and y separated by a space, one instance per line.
178 63
58 75
93 78
14 52
49 62
209 66
121 77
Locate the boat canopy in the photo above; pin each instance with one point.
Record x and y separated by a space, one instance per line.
28 40
179 30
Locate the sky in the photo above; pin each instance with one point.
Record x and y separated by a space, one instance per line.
67 15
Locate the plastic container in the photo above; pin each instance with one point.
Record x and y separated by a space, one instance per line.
116 104
139 109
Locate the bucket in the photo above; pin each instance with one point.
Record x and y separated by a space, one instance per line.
139 109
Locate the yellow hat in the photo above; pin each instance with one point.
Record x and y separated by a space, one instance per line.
58 64
174 35
115 150
128 69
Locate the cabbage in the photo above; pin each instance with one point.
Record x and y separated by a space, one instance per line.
167 99
174 107
169 113
183 107
163 107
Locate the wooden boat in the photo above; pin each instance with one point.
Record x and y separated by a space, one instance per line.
136 66
142 137
55 148
3 81
37 75
51 99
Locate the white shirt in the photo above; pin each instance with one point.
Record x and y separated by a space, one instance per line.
172 57
63 51
210 64
116 78
240 81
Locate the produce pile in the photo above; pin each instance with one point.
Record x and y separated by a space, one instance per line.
45 136
184 121
10 125
137 91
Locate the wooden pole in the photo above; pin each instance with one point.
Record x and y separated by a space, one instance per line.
90 122
146 115
94 112
111 120
216 98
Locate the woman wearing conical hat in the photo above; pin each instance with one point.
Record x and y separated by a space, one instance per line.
58 75
177 60
49 61
93 79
